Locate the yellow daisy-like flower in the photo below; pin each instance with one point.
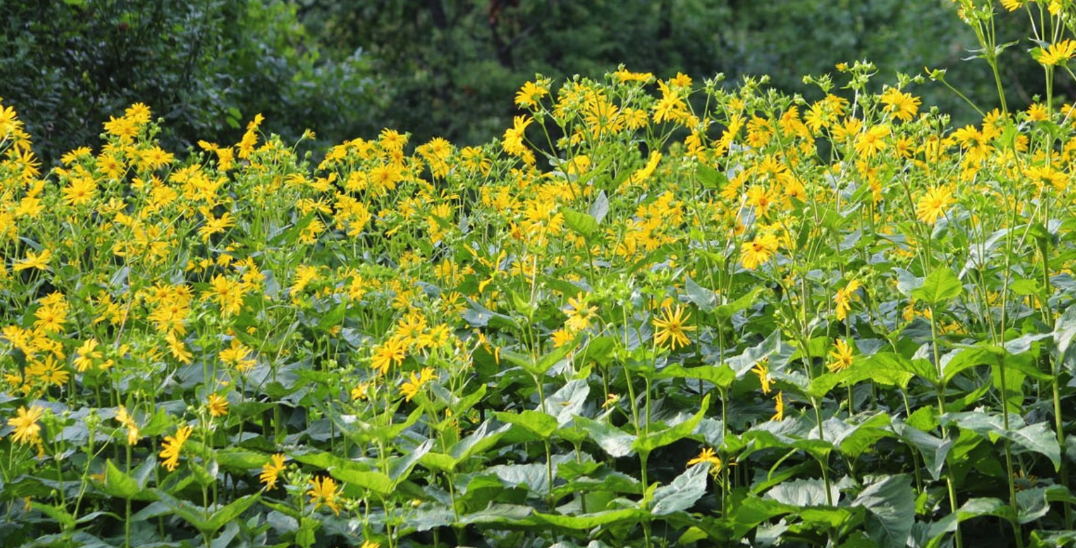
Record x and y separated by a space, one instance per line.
124 418
324 492
934 204
579 314
779 407
393 351
708 455
27 430
758 251
39 261
762 370
531 93
1056 54
903 106
410 388
842 357
171 447
671 327
844 297
271 471
218 406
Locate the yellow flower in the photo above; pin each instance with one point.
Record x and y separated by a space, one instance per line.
1056 54
758 251
671 327
531 93
39 261
844 298
87 353
410 388
763 372
26 428
323 492
271 471
871 142
934 204
842 357
172 445
128 422
392 351
218 406
903 106
708 455
779 407
580 314
361 391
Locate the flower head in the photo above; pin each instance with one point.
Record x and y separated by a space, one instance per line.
844 297
779 407
671 327
324 492
218 406
708 455
934 204
758 251
271 471
27 430
1056 54
842 357
172 445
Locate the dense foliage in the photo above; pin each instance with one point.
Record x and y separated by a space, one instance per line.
450 65
652 312
203 65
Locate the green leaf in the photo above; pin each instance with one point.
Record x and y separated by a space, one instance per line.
938 287
973 508
1065 329
334 317
590 521
600 208
726 311
1039 439
401 466
934 450
721 376
119 484
582 223
614 441
703 298
682 493
541 365
895 362
221 517
565 403
744 362
241 459
891 503
542 424
647 443
802 493
710 177
371 480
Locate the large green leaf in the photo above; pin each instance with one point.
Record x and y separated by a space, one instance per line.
614 441
682 493
891 503
654 440
538 422
582 223
119 484
940 286
721 376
